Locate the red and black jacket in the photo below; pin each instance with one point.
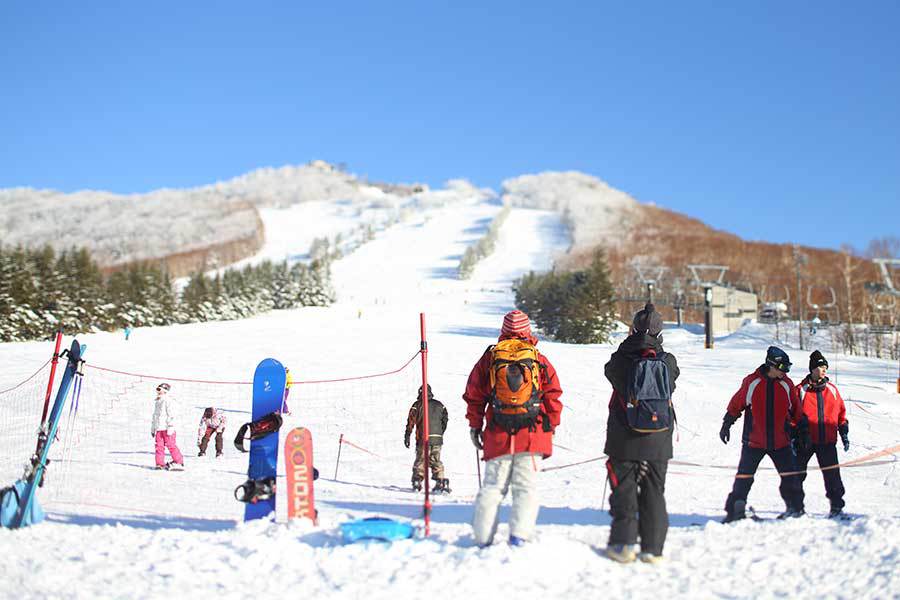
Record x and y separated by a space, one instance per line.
823 406
770 411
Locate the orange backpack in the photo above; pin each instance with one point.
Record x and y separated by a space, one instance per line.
515 384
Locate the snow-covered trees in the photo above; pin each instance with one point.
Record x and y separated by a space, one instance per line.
573 307
41 292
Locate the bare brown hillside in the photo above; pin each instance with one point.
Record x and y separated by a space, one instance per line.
667 238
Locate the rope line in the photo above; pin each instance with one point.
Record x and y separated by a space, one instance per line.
32 376
164 378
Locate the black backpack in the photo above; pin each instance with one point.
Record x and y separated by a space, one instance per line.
648 401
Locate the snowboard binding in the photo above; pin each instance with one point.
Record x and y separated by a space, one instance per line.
254 490
260 428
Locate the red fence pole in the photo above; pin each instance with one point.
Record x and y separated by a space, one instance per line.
427 438
52 375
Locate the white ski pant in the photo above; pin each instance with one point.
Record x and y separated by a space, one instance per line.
516 471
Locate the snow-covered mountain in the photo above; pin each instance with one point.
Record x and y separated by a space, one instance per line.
117 528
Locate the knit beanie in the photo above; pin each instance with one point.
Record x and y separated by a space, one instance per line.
817 360
516 324
647 320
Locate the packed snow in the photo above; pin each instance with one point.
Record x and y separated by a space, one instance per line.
121 529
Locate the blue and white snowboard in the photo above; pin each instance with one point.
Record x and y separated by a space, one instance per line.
268 393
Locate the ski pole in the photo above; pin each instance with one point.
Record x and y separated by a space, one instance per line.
603 500
338 461
478 466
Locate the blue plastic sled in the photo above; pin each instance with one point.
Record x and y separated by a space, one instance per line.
376 528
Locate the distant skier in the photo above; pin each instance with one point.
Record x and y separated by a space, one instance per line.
826 418
127 332
212 422
437 425
163 430
639 453
513 392
288 382
770 423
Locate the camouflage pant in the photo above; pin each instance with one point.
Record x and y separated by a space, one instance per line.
434 461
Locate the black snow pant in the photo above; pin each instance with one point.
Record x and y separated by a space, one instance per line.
638 503
790 487
826 454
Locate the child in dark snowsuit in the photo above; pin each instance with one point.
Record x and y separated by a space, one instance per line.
437 425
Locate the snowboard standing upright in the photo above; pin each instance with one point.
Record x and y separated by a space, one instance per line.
268 392
298 466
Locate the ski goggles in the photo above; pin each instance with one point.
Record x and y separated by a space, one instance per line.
163 386
784 367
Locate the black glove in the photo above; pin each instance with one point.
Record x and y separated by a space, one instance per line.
477 438
725 432
801 434
844 430
406 441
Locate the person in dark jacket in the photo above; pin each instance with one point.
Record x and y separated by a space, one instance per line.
637 461
771 422
822 409
437 425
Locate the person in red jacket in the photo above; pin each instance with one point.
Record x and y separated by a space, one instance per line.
770 422
823 410
513 457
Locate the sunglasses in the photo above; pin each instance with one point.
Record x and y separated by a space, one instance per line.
784 368
162 388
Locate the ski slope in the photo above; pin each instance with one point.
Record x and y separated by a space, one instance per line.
130 531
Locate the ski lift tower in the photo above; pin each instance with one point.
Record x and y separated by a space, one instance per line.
707 285
650 276
888 267
826 307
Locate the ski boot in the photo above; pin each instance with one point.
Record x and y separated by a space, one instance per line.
650 558
621 553
738 512
417 485
517 541
441 485
836 512
174 466
791 513
218 454
202 453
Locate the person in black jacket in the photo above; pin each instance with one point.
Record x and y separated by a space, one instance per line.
637 462
437 425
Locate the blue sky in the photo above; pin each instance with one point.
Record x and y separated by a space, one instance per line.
775 120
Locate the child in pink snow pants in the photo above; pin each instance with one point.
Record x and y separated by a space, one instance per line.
163 430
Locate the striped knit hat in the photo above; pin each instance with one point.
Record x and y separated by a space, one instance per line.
516 324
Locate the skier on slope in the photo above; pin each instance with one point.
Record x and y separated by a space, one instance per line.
513 454
212 422
637 460
437 425
823 409
162 430
770 422
288 382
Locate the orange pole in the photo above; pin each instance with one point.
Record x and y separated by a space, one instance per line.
426 440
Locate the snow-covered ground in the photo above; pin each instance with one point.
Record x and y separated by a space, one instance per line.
116 528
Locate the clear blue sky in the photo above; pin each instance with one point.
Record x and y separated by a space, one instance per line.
775 120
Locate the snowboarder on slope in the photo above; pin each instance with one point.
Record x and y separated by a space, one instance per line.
770 423
513 457
437 425
823 410
162 430
637 461
212 422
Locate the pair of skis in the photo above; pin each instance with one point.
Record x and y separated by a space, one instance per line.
259 491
